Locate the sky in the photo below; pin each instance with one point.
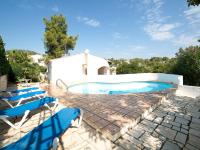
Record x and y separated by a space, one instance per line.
108 28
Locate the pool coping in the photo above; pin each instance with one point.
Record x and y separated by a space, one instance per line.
175 86
91 115
123 129
126 127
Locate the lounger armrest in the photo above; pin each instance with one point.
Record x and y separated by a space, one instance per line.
46 93
7 102
24 118
55 105
10 93
56 101
55 143
80 117
3 117
4 99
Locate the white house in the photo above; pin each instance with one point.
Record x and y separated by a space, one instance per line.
38 59
76 68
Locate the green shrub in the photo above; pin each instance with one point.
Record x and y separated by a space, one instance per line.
23 67
137 65
4 66
188 65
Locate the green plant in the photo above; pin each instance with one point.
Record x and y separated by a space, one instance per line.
22 65
4 66
193 2
56 40
188 65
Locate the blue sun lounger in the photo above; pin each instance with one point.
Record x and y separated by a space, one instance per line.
25 109
46 134
22 97
21 91
25 90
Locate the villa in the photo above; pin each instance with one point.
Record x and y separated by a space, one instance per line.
123 111
37 58
77 67
127 111
137 88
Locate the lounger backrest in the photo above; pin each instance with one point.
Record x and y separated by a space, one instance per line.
25 95
19 110
41 138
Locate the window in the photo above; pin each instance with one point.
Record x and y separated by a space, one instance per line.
84 69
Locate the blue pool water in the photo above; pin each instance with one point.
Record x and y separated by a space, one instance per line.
118 88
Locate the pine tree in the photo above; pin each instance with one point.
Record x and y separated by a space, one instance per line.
4 67
193 2
56 39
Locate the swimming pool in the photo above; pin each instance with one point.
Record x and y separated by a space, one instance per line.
118 88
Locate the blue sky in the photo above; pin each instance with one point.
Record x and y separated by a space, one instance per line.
108 28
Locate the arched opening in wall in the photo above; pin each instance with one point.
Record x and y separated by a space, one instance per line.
84 69
103 70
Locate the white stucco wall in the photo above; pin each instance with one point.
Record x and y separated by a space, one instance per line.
171 78
70 68
94 63
66 68
189 91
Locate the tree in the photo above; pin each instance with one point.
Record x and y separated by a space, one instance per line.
138 65
29 52
193 2
188 65
22 65
4 66
56 39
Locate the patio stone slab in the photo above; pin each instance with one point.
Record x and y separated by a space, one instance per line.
112 115
194 141
151 142
170 146
194 132
167 132
104 126
180 137
127 145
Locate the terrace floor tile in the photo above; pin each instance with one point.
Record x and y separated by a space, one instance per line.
121 110
106 119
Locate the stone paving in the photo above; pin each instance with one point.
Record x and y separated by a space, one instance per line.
174 124
111 115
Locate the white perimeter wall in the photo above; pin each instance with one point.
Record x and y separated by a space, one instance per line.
176 79
189 91
170 78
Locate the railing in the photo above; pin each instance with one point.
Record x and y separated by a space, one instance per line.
63 83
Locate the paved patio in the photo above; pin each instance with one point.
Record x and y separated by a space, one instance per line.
175 124
111 115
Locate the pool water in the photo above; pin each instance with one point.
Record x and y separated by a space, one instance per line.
118 88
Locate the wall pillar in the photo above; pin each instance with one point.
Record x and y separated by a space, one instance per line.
3 83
